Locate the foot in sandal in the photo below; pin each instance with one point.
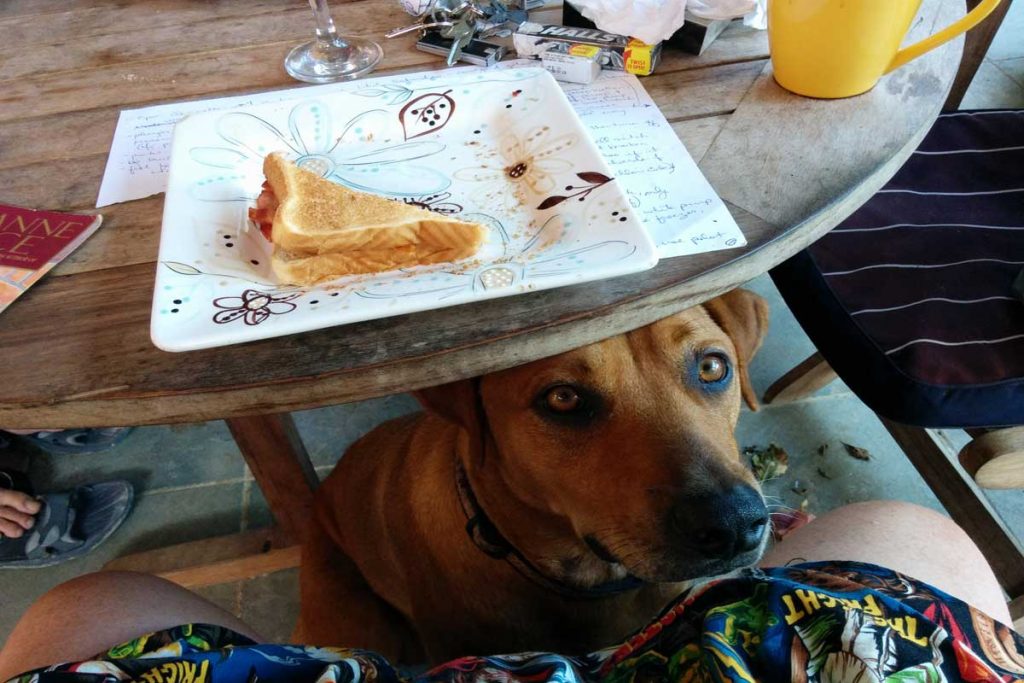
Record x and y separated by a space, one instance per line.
56 527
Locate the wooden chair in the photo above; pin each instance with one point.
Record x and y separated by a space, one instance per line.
879 324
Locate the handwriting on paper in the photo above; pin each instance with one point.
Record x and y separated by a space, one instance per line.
680 209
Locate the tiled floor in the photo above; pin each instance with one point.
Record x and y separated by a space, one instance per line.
1000 80
192 484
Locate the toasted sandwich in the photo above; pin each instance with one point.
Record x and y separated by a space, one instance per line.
322 230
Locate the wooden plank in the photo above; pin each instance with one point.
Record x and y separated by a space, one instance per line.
738 43
206 551
698 134
277 457
238 569
93 23
130 235
211 561
293 24
812 374
785 183
34 8
103 34
935 459
177 77
60 185
22 145
701 92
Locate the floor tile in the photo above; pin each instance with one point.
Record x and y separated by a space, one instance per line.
1009 41
328 432
227 596
151 458
270 604
993 89
1014 68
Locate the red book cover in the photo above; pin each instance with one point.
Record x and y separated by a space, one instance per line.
32 242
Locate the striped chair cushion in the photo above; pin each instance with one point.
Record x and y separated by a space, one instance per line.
911 299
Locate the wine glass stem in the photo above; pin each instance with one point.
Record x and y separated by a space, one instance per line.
325 29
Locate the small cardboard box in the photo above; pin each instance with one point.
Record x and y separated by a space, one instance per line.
580 64
620 53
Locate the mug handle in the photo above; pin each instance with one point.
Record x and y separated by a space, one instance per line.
972 19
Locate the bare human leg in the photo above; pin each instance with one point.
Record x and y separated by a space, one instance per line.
910 539
87 615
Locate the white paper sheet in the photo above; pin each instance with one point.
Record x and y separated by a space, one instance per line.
680 209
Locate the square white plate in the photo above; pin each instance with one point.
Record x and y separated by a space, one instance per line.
503 148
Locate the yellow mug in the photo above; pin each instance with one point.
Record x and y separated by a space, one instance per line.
840 48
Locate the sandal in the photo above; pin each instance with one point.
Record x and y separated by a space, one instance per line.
68 525
71 441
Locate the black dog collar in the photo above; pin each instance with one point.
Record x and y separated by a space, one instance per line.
487 538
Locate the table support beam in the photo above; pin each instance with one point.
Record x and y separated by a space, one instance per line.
274 451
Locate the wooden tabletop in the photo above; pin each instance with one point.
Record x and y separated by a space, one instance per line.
76 348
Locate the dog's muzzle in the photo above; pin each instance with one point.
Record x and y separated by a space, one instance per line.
723 526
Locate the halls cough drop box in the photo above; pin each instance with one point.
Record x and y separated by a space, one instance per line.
621 53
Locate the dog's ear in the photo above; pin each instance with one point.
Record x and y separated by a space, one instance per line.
457 402
743 316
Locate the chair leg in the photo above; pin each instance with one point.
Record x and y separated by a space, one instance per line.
802 381
996 459
935 459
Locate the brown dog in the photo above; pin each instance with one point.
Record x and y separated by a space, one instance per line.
553 506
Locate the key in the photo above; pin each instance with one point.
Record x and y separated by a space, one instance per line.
422 26
461 34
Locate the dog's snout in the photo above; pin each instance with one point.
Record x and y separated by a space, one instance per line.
721 526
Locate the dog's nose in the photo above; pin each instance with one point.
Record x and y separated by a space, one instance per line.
723 525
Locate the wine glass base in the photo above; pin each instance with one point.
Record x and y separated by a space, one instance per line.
320 61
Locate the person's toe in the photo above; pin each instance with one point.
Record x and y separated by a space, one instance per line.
29 505
22 519
19 501
9 529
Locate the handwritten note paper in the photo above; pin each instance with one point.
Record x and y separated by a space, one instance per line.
141 151
680 209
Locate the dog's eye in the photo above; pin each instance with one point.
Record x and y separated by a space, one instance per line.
563 399
713 367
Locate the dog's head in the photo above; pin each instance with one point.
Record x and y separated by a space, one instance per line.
630 441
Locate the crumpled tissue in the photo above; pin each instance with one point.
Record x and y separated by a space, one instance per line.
653 21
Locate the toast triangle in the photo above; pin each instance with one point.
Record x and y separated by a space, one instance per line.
323 230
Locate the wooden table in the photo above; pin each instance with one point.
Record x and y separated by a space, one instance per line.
76 348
